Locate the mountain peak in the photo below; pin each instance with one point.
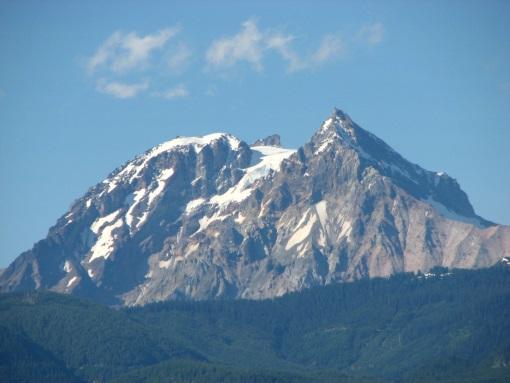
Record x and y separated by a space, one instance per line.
209 217
197 142
272 140
338 123
339 113
339 132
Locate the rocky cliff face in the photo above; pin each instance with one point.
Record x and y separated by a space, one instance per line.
210 217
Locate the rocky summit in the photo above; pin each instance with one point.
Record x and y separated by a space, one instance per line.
213 217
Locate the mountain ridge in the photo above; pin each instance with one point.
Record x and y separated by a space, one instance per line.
210 217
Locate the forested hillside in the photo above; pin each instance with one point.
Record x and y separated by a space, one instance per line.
446 326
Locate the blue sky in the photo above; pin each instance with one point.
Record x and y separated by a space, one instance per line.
86 86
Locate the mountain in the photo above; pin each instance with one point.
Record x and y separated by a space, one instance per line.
212 217
439 327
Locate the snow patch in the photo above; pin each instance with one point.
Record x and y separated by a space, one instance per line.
303 249
194 204
395 169
68 267
138 196
165 264
330 121
322 239
269 159
324 145
452 216
105 242
71 281
206 221
99 223
132 170
240 218
162 180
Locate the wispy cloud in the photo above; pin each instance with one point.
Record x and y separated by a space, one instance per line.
125 55
180 91
282 45
178 61
122 52
331 47
371 34
244 46
251 44
118 64
121 90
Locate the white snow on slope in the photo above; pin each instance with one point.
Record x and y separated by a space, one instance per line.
452 216
132 170
143 195
165 264
193 204
303 249
98 224
240 219
206 221
67 267
105 242
344 133
267 159
196 142
162 180
138 196
71 281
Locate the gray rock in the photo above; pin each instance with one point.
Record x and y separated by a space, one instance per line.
273 140
211 217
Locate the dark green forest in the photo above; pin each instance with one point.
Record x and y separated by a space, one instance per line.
450 327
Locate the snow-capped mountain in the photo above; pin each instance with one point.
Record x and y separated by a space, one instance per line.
210 217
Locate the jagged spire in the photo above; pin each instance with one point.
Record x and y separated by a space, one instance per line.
340 114
273 140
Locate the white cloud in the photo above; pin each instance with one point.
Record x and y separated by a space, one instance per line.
331 47
179 60
180 91
121 90
251 44
122 52
371 34
244 46
281 44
